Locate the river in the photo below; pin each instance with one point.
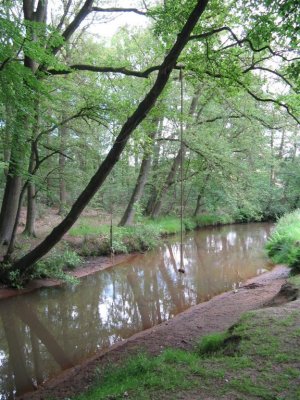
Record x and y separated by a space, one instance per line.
51 329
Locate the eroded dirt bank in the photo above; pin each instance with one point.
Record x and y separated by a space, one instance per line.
217 314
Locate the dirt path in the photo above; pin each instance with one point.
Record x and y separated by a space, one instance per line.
217 314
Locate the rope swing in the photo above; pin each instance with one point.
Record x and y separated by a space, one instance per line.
111 245
181 268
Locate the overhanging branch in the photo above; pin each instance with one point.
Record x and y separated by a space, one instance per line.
95 68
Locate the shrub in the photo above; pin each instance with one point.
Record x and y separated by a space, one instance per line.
55 263
283 246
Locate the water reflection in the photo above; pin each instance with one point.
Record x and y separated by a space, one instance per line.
54 328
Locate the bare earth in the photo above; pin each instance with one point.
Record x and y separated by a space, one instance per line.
217 314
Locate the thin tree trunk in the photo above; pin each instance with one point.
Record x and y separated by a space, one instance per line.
198 205
62 163
175 165
31 204
138 191
31 211
130 125
153 194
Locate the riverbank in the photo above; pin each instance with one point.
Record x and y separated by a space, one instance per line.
216 315
91 237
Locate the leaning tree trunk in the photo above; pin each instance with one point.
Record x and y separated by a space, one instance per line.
143 109
138 191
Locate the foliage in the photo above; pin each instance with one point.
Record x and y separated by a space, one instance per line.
69 121
283 245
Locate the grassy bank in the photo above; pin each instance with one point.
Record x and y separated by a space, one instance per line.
96 240
283 246
257 358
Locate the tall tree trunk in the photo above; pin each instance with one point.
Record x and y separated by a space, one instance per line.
31 203
198 205
138 191
31 211
62 163
10 201
17 160
175 165
153 194
143 109
168 182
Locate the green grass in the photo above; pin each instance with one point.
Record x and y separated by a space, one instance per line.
211 343
283 245
140 237
263 364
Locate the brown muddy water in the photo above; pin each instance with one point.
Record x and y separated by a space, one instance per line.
46 331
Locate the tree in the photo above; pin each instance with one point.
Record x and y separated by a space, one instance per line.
165 69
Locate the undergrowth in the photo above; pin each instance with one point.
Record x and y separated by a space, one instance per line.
53 266
283 246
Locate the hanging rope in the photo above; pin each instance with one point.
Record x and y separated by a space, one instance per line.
181 268
111 246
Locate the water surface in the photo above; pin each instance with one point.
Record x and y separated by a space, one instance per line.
51 329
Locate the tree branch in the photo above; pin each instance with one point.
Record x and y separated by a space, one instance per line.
239 42
115 70
252 68
85 10
71 28
119 10
269 100
63 17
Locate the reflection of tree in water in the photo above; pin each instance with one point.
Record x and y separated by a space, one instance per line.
59 326
23 347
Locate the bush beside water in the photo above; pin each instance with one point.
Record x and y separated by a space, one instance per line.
283 247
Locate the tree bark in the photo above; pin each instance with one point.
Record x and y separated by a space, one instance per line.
9 204
153 194
31 211
31 203
138 191
130 125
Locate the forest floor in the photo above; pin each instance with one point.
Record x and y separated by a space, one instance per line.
181 332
